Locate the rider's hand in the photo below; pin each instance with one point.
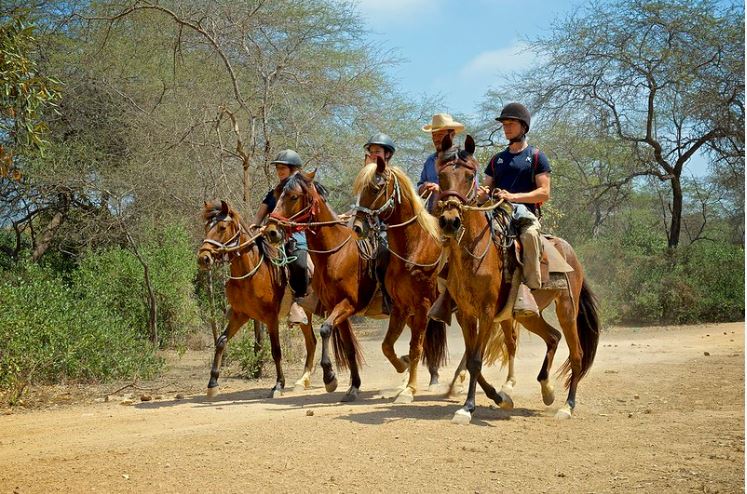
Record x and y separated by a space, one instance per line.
503 194
482 194
431 187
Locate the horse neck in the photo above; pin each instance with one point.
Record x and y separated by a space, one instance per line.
476 233
329 236
246 260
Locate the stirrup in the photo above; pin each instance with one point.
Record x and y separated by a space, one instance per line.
442 308
297 315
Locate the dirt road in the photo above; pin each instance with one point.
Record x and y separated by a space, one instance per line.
662 410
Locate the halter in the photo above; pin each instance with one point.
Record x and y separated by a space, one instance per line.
233 247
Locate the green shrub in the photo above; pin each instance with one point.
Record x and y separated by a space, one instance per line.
116 277
49 333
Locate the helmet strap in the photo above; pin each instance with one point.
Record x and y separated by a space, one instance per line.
522 137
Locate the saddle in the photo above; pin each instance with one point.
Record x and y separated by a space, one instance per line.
553 266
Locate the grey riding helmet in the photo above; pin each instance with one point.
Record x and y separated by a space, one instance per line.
516 111
382 140
287 157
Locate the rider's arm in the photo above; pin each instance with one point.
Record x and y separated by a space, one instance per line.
540 194
261 213
428 182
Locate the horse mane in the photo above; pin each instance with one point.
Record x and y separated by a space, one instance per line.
300 180
367 176
212 210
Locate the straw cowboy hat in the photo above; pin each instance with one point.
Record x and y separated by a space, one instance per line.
442 121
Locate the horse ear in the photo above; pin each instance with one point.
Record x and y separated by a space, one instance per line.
380 165
469 144
223 208
445 143
311 175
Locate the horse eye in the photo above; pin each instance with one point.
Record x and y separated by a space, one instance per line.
293 197
470 177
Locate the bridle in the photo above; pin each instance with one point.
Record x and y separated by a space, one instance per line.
231 249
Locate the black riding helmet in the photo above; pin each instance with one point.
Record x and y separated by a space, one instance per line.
382 140
516 111
287 157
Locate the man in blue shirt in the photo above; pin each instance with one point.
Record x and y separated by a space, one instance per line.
442 124
520 174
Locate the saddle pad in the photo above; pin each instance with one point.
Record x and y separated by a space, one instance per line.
553 259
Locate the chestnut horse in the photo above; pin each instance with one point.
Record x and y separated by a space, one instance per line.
254 289
386 194
482 293
342 280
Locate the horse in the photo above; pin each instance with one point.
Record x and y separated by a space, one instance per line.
254 290
385 193
483 294
343 281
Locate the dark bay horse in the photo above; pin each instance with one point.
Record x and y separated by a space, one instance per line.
386 194
483 294
254 289
342 280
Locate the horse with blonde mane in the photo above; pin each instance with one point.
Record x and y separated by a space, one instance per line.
386 194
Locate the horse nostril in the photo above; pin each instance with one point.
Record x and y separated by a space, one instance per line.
442 222
357 229
457 223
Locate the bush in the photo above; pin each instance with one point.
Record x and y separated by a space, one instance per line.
49 333
641 281
115 276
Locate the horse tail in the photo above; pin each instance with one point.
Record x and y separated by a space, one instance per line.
340 334
587 325
496 348
435 347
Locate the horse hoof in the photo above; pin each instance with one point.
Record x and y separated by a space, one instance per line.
461 417
331 386
405 397
548 394
212 392
507 388
564 413
276 393
351 395
506 402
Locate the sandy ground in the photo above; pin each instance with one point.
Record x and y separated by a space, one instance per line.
655 414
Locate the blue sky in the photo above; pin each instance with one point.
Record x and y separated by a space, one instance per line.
459 49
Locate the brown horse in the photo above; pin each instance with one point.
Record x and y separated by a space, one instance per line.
483 294
386 194
343 281
254 289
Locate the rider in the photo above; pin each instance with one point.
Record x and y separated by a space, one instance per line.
520 174
383 146
442 124
286 163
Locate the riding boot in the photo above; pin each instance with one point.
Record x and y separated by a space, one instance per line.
299 282
532 246
525 305
442 308
382 262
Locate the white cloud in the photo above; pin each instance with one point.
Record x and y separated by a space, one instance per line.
503 61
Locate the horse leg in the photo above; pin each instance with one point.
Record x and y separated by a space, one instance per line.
566 313
551 337
274 331
342 310
417 337
304 382
473 363
459 373
355 378
235 321
393 332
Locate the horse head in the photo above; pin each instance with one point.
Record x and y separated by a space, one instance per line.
456 177
222 231
375 193
298 199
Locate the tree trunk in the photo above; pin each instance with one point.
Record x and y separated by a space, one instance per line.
51 229
676 222
152 303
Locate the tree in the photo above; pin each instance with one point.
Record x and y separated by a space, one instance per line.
666 77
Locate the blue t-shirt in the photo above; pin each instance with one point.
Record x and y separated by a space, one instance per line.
429 174
513 172
270 201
